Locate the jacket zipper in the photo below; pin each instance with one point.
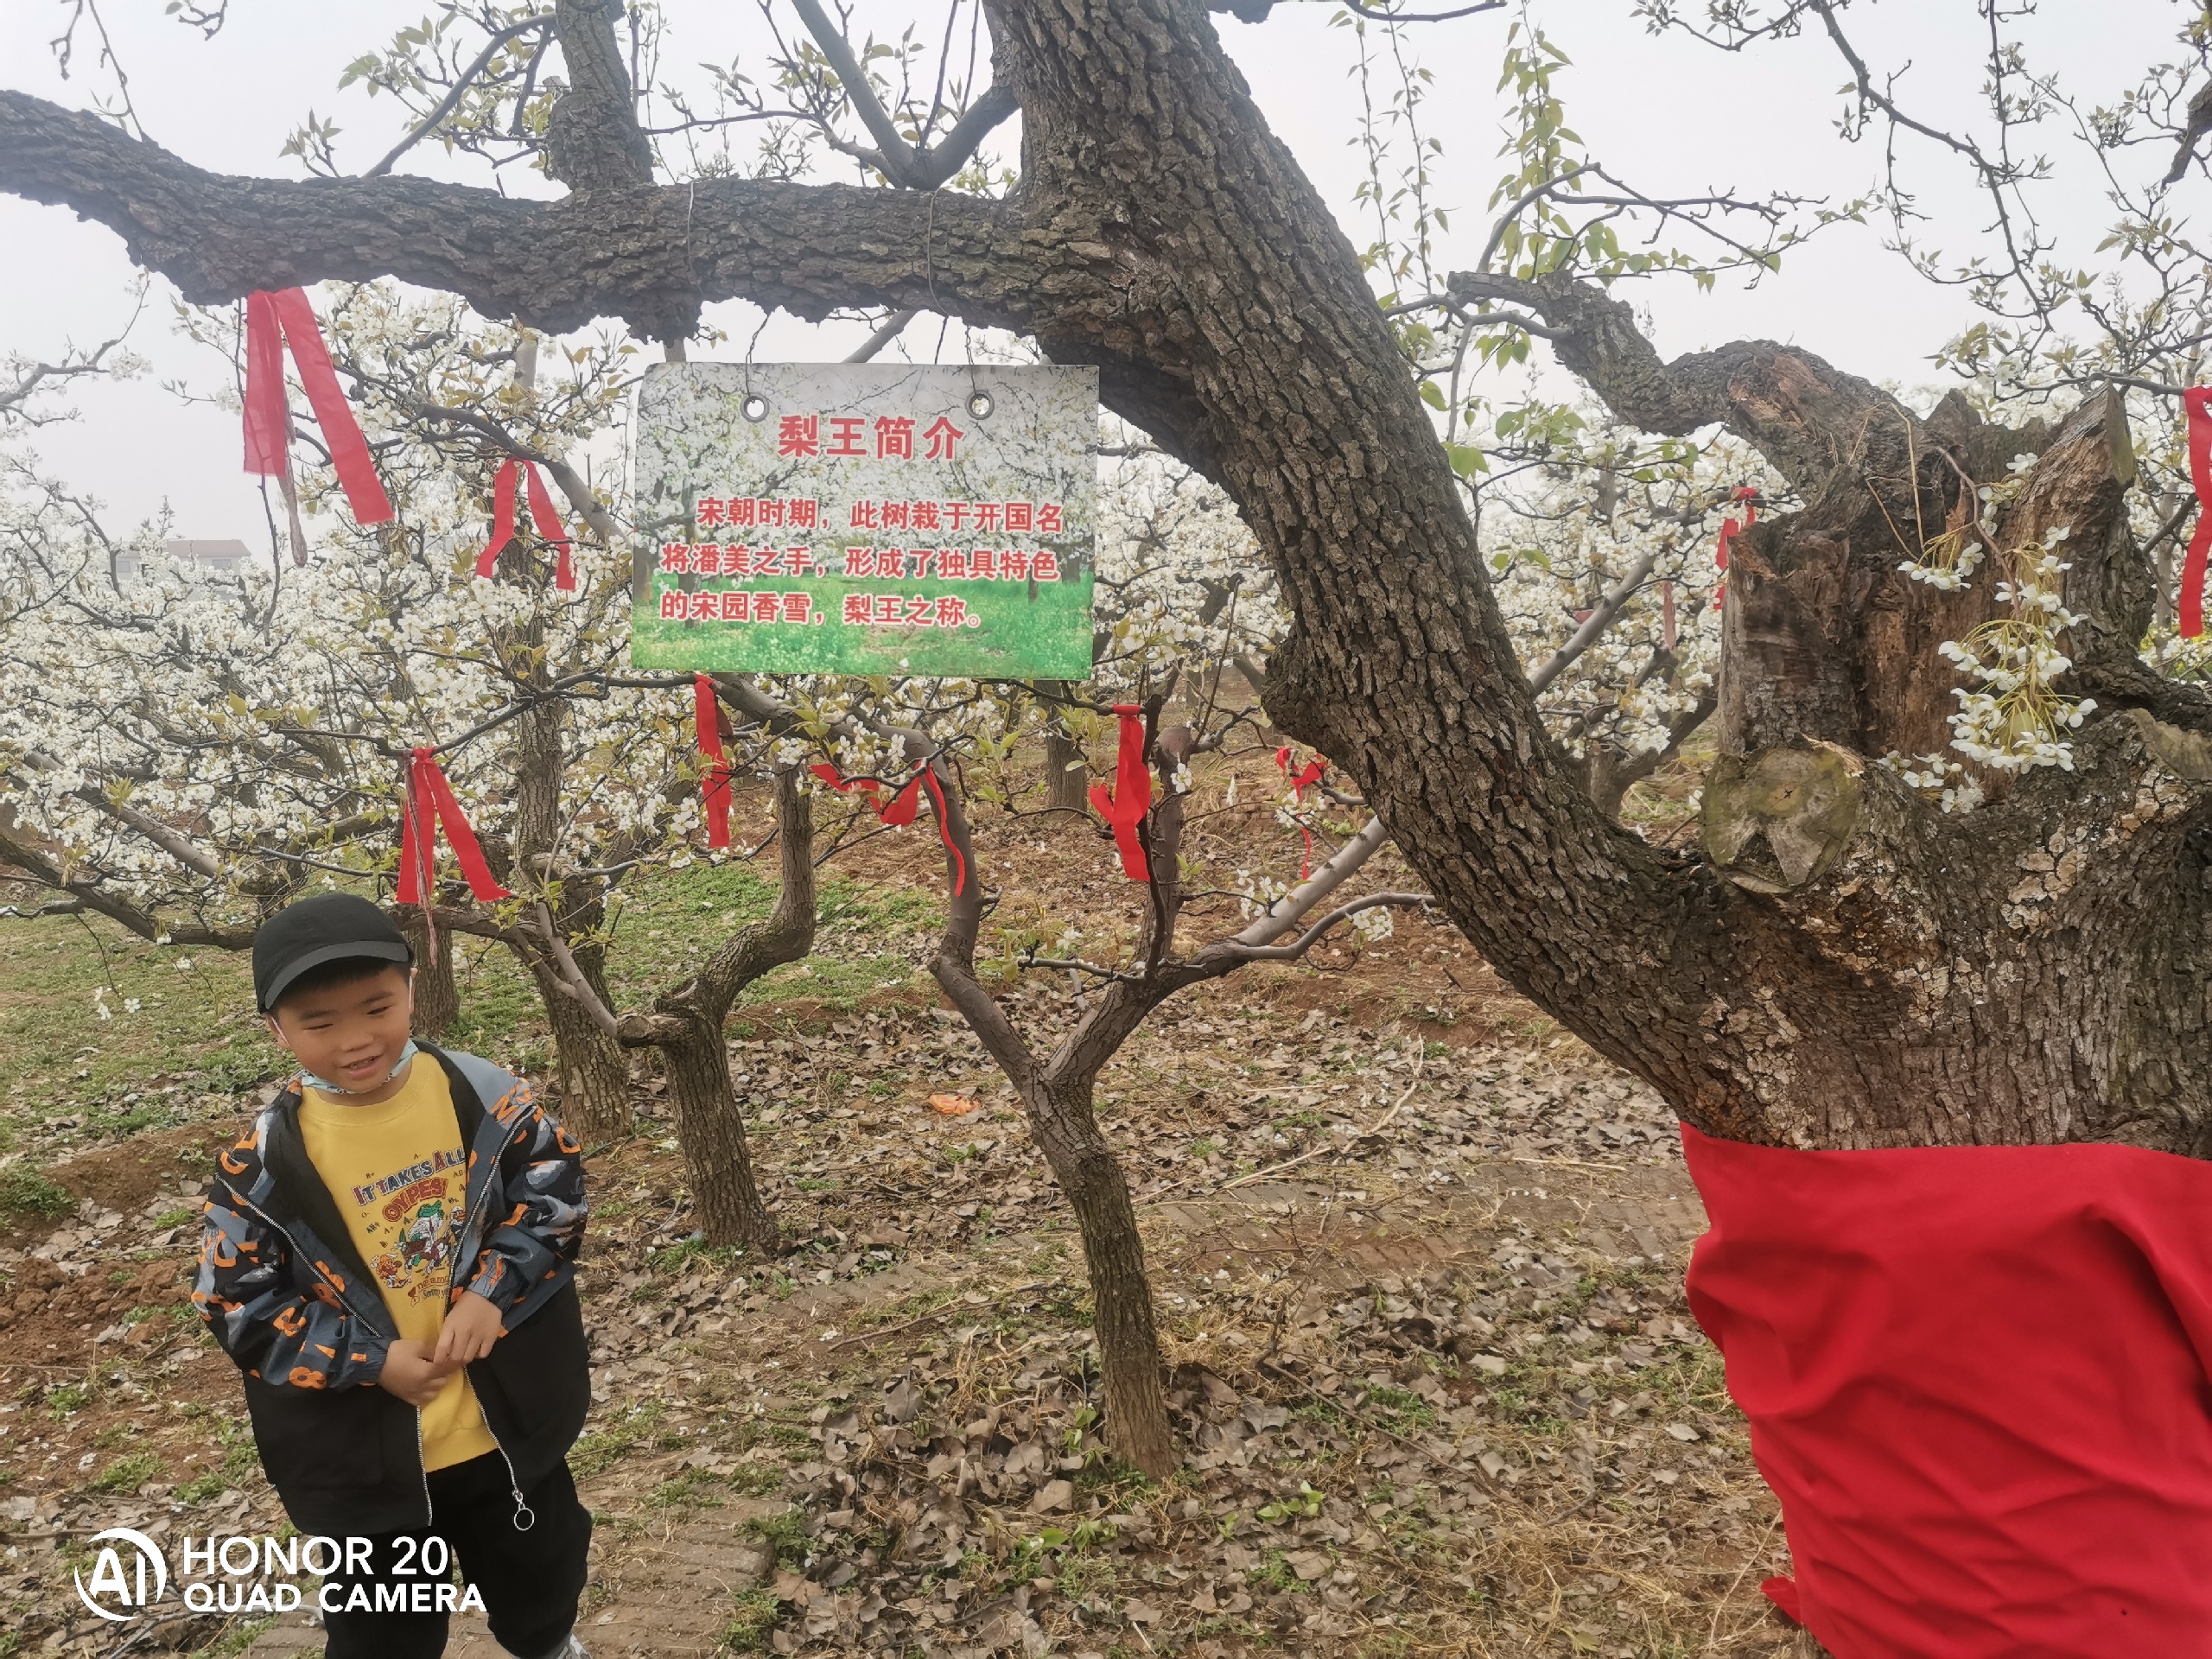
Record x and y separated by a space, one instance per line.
422 1460
525 1516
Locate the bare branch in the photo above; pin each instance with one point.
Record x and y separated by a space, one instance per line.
1294 906
1593 625
892 326
587 507
903 164
466 78
568 975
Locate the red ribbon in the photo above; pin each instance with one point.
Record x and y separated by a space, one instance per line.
431 802
2197 401
1126 803
708 719
900 811
273 320
1313 772
541 517
1729 531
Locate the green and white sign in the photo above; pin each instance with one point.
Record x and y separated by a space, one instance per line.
858 518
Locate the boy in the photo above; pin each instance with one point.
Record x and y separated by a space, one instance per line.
387 1255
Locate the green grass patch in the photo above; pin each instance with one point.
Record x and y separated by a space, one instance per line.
784 1535
127 1474
201 1487
752 1622
602 1448
26 1195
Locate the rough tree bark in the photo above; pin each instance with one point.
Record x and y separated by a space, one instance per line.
686 1026
1873 974
595 1072
1067 777
437 999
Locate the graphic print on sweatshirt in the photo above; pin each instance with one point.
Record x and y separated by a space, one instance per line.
412 1218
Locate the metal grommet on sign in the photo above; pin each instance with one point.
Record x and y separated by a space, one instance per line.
980 404
754 407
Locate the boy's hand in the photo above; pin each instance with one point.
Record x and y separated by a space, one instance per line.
471 1327
413 1373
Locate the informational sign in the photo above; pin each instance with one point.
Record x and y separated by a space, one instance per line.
858 518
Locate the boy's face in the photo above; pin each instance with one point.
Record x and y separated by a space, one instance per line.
352 1033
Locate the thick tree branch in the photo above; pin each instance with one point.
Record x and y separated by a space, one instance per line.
651 256
20 856
593 140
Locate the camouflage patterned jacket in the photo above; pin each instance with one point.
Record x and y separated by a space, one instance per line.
288 1298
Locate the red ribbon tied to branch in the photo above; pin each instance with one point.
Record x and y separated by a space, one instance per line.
1311 774
1126 803
900 811
430 804
541 517
273 320
2197 401
1730 530
707 715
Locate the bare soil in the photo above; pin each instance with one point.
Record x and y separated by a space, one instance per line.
1417 1255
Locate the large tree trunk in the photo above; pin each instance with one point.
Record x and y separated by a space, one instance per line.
717 1161
437 998
1067 775
686 1026
595 1072
1065 1127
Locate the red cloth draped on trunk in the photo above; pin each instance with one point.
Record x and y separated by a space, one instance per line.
273 320
430 804
900 811
707 717
541 517
1980 1381
1125 804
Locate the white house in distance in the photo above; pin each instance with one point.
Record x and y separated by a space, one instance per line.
207 558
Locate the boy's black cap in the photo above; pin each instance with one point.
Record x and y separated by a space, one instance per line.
329 927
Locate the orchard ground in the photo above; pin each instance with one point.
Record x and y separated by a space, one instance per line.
1417 1254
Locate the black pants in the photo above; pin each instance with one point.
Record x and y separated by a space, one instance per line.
529 1580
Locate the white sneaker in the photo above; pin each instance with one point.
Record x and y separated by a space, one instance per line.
571 1649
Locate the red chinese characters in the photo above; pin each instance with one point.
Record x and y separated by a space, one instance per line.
852 437
745 513
907 611
942 438
845 432
983 517
737 605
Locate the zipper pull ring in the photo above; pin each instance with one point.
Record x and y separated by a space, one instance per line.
525 1517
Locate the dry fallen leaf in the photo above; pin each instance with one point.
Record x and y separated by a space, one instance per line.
951 1105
